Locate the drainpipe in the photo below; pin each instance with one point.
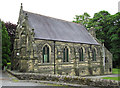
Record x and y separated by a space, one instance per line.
54 57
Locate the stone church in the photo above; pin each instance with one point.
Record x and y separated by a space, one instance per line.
52 46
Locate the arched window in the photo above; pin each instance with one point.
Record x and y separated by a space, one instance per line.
110 69
106 60
81 54
65 54
45 54
88 53
94 55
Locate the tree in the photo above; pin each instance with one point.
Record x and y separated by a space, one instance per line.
99 23
11 28
5 46
114 37
83 19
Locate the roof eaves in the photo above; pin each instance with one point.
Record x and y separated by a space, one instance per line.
66 41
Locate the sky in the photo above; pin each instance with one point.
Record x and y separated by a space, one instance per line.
61 9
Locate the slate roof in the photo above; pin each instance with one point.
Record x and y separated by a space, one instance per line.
59 30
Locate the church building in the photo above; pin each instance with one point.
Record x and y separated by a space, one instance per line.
52 46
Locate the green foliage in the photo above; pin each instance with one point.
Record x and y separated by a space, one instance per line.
107 31
11 28
15 80
114 37
5 46
99 23
83 19
8 65
4 62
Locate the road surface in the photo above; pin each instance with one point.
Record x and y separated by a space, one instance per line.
112 75
9 80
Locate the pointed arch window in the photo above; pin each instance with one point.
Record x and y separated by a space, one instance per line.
45 54
88 53
94 55
81 58
65 55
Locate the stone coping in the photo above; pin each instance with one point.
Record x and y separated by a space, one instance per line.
65 79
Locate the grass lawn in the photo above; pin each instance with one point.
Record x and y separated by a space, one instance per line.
114 71
112 78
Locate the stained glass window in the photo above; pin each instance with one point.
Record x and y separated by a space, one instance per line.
81 54
65 55
93 55
46 54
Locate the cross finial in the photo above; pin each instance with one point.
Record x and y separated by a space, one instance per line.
21 6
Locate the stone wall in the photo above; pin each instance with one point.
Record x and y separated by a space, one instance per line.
72 67
108 61
102 83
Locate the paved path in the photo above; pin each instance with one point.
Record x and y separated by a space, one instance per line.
9 80
113 75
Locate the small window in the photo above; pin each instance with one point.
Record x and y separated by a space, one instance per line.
88 54
80 54
106 59
110 69
65 54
